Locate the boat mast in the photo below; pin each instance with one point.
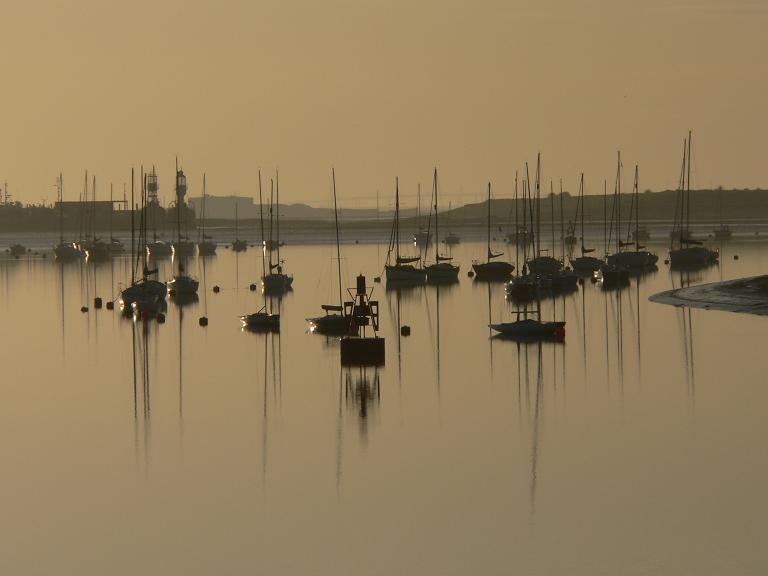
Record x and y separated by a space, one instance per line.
581 205
617 190
111 204
552 214
261 226
517 231
538 205
397 220
133 234
637 211
277 216
178 204
271 217
202 215
94 207
605 216
562 231
526 203
61 209
336 219
489 223
437 233
688 188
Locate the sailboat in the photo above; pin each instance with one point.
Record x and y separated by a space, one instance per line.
182 283
237 244
64 251
96 250
157 248
490 269
610 274
275 281
206 246
402 270
335 320
542 264
144 294
527 328
584 263
442 269
689 252
523 286
182 246
639 258
528 324
263 320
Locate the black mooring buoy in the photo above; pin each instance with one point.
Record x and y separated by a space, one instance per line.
110 305
377 279
252 287
84 309
471 274
405 330
216 289
161 318
97 302
203 321
735 256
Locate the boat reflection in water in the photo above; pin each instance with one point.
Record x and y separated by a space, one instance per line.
362 394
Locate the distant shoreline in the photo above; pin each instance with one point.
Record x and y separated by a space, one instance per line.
655 208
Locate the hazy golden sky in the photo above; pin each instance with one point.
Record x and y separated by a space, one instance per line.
378 89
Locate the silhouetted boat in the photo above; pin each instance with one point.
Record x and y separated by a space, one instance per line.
402 270
145 291
263 320
584 264
64 251
276 281
238 245
206 246
490 269
182 283
157 248
639 258
689 253
335 320
531 328
442 269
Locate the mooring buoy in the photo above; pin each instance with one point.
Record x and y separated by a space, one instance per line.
216 289
110 305
84 309
203 321
405 330
97 302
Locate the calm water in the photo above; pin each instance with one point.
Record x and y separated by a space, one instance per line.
637 447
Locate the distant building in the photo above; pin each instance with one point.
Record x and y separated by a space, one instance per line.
101 209
223 207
